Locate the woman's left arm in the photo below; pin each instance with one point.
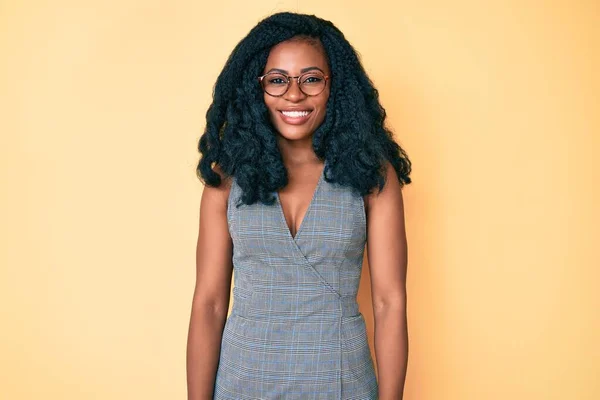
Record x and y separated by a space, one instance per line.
388 257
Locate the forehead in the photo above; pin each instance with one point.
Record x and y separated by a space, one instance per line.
294 55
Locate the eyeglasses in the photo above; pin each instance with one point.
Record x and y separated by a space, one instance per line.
276 84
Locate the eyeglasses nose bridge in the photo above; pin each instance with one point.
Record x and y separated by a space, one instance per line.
297 79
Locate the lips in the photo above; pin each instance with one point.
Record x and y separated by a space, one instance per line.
295 117
295 114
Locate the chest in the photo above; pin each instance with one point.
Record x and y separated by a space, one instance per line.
331 223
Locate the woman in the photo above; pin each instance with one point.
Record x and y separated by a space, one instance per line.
300 173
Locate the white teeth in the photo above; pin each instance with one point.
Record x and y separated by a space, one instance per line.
295 114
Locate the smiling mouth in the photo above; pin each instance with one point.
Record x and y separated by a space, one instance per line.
295 114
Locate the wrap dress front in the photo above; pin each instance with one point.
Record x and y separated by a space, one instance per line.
295 331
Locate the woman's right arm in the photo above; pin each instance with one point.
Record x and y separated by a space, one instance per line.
211 294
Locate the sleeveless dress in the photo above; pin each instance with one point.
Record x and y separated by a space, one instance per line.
295 331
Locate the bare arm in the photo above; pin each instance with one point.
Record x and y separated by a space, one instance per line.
387 253
211 294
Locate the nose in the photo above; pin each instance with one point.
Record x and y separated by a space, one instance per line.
294 93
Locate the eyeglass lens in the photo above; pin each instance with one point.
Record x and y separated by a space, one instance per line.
311 83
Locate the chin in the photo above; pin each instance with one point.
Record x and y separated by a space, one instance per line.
294 133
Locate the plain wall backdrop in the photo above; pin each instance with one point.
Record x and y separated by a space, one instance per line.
101 107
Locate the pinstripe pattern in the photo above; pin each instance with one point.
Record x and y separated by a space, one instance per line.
295 331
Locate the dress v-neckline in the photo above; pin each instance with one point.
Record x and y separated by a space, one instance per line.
306 213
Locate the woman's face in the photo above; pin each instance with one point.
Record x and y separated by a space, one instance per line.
288 113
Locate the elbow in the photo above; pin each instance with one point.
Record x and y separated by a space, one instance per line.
215 309
387 305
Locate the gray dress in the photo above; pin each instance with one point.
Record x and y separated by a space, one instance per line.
295 331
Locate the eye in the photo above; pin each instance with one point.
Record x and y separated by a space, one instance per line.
276 80
311 79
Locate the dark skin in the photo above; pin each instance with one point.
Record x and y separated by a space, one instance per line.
295 140
386 237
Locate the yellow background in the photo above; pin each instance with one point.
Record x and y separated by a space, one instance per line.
497 103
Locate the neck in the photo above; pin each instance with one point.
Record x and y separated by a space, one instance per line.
297 152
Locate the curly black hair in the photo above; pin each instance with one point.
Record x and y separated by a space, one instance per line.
240 139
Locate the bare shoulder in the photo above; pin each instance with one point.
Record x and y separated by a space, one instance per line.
390 195
214 247
387 242
217 196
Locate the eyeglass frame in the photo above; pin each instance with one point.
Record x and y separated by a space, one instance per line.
289 83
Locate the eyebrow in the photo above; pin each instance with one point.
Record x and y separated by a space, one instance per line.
303 70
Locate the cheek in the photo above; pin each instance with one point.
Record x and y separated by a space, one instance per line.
323 99
269 103
322 106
